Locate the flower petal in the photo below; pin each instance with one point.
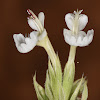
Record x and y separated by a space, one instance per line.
79 41
32 24
23 44
69 20
82 34
87 39
83 20
90 34
73 40
34 34
19 38
80 38
41 18
67 33
67 36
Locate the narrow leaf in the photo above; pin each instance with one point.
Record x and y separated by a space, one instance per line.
61 93
58 70
75 84
39 90
85 92
75 94
51 73
55 78
48 90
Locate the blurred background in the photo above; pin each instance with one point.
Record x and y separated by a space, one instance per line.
16 69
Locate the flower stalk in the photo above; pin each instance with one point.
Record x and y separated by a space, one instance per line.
72 54
46 44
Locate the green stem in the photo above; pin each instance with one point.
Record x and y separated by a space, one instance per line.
69 73
72 54
46 44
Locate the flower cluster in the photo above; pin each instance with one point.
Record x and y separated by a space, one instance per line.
58 85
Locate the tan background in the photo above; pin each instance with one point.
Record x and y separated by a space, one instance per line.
16 69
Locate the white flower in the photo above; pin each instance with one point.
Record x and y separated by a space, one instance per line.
26 44
76 22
